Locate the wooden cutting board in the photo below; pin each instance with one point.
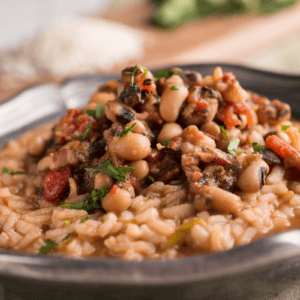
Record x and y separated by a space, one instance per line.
214 39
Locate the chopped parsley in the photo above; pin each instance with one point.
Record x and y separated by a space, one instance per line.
50 246
83 136
176 183
166 143
77 120
149 197
93 202
67 236
127 130
109 169
224 131
151 178
257 147
233 145
165 73
175 87
67 222
6 171
96 113
133 73
285 127
84 219
165 205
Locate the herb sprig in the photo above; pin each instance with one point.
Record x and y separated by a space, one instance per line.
88 128
233 146
109 169
91 202
6 171
165 73
127 130
133 73
224 131
96 113
285 127
166 143
257 147
175 87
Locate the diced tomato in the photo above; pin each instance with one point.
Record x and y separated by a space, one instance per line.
55 183
201 105
115 189
281 148
72 125
242 108
226 115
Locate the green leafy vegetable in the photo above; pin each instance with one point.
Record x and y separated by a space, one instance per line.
77 120
171 13
151 178
175 87
166 143
165 205
109 169
96 113
93 202
6 171
257 147
83 136
67 222
224 131
233 145
285 127
127 130
165 73
84 219
50 246
67 236
149 197
133 73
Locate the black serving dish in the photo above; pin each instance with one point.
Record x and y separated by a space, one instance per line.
254 271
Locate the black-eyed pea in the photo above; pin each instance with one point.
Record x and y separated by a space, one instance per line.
171 102
117 200
102 180
168 131
132 146
141 169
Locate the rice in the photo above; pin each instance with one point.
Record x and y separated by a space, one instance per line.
208 201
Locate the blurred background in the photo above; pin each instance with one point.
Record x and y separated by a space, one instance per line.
50 40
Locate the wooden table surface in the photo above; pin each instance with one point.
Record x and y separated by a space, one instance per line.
223 39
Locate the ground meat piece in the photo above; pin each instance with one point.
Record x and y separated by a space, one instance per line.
270 157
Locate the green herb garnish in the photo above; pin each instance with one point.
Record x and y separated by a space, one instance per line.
224 131
91 202
50 246
165 73
165 205
96 113
6 171
257 147
83 136
120 80
77 120
175 87
233 145
176 183
127 130
67 222
67 236
149 197
84 219
285 127
133 73
151 178
166 143
109 169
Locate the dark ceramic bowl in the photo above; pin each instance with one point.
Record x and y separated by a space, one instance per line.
254 271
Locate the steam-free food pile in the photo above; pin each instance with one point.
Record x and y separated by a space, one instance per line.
154 167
